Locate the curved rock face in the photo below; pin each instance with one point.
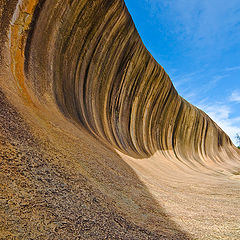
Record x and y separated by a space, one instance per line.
91 58
78 83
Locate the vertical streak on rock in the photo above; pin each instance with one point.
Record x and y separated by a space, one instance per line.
97 69
20 23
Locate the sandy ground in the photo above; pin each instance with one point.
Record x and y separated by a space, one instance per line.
204 204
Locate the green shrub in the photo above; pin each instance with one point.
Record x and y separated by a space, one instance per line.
238 140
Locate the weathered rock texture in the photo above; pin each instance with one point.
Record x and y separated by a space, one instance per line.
95 141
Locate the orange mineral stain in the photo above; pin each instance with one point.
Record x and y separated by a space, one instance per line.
18 36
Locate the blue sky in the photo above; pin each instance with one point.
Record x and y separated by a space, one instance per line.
198 44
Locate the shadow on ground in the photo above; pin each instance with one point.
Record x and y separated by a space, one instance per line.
58 187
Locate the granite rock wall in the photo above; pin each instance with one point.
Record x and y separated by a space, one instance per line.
80 66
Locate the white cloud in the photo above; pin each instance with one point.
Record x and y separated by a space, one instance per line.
203 23
235 96
212 82
221 114
186 78
206 30
232 68
186 85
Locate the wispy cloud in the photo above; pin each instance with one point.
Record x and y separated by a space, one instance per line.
221 114
203 33
180 80
186 84
235 96
201 22
229 69
212 82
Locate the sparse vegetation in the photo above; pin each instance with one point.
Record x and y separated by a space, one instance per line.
238 140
